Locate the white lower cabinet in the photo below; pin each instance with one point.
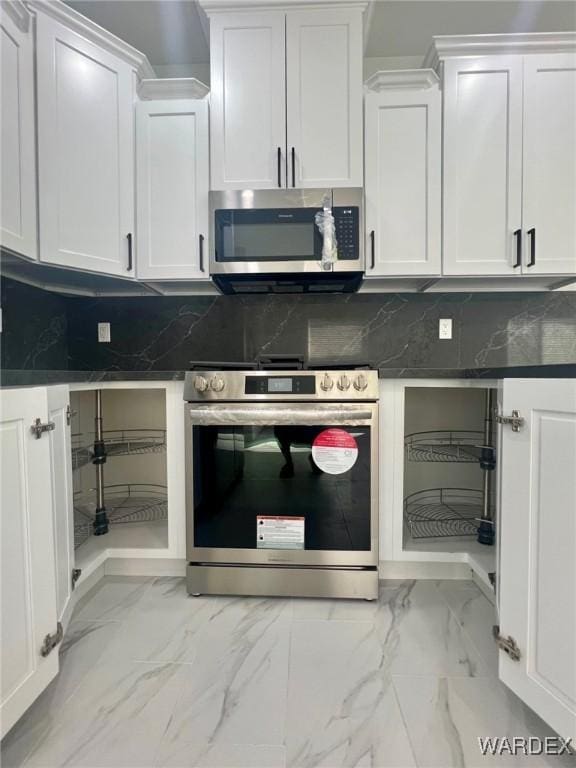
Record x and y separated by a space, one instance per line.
432 491
18 207
172 189
537 570
29 603
403 160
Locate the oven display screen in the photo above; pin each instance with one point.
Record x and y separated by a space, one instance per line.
279 385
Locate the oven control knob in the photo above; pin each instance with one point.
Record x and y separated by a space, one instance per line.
217 383
360 382
343 382
326 384
200 384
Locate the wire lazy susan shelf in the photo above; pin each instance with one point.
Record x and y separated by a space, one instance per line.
119 442
440 512
459 446
125 503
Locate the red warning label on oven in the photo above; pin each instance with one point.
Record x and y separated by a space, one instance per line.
335 451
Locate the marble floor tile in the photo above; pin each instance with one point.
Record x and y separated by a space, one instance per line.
342 708
339 610
82 648
421 636
115 718
194 755
235 691
445 717
112 598
476 615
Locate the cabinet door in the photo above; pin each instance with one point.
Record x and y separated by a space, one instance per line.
62 495
482 164
324 98
403 187
247 100
549 170
86 148
537 535
172 189
27 544
18 212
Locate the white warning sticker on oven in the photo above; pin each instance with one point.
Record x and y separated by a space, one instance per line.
275 532
335 451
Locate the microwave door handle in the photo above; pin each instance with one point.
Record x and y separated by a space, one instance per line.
224 415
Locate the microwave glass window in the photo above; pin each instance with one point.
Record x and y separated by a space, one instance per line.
256 241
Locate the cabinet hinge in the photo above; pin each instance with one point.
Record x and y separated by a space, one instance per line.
51 641
38 428
76 573
506 644
492 579
515 420
69 414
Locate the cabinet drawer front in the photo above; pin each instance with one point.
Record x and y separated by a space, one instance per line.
482 164
86 148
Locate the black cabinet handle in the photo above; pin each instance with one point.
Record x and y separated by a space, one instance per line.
293 167
279 167
201 251
518 236
129 238
372 250
532 234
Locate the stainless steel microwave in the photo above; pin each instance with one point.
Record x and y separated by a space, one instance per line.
269 240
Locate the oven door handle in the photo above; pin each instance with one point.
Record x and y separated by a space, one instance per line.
226 415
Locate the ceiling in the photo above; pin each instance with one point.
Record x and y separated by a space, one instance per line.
175 32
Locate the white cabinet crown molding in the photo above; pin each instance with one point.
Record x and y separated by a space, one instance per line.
419 79
94 33
18 12
226 6
449 46
172 88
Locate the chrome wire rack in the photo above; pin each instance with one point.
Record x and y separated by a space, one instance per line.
442 512
459 446
125 503
119 442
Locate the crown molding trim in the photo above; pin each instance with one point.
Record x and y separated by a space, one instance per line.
450 46
402 79
18 12
172 88
80 24
211 7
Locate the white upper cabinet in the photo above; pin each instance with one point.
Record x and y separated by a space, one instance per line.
537 574
482 165
324 98
29 610
403 174
549 179
286 98
18 208
86 152
172 189
247 100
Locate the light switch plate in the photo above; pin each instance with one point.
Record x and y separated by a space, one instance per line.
445 328
104 332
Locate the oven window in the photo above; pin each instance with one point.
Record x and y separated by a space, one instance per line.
265 487
275 235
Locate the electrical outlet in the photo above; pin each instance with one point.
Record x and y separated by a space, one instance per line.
445 328
104 332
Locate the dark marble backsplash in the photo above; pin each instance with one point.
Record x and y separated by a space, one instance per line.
43 330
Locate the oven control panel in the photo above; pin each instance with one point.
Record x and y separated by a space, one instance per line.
281 385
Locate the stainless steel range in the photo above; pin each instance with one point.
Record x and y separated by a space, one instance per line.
282 482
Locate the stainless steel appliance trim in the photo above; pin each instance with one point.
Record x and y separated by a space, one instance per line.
225 413
282 582
285 198
293 557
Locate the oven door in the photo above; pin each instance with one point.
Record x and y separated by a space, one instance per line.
282 483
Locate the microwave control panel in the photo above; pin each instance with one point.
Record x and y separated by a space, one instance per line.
346 224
